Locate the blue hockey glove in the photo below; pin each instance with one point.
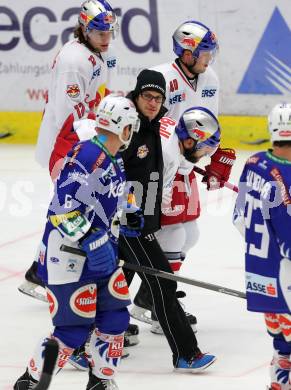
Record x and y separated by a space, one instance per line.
100 253
134 224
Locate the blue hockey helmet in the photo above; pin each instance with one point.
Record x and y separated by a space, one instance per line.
196 37
98 15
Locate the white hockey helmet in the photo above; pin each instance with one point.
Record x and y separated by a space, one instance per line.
114 113
279 121
98 15
200 124
196 37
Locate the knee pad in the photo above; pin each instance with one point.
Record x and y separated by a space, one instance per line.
72 336
112 321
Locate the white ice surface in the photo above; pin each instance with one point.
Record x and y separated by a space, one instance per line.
237 337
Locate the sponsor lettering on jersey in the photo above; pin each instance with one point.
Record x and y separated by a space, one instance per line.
115 347
52 301
83 301
262 285
177 98
111 63
117 285
258 183
142 151
73 90
208 92
96 73
276 174
165 122
116 190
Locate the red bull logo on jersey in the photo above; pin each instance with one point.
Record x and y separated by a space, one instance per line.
262 285
73 90
83 301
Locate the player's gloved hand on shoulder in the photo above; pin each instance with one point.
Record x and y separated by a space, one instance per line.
218 171
134 223
100 253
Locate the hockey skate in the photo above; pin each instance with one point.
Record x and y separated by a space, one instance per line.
25 382
142 305
31 283
100 384
197 364
131 336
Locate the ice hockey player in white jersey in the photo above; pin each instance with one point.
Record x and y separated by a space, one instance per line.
263 216
80 78
190 81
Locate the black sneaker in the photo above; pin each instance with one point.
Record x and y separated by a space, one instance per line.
100 384
25 382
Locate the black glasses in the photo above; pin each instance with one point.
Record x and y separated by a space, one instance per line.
149 97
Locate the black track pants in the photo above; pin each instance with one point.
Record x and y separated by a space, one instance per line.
146 251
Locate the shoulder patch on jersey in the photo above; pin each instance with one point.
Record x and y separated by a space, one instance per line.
276 174
142 151
73 90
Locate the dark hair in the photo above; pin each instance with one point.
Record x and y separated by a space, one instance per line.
78 33
281 144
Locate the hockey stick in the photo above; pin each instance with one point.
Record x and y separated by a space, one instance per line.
226 184
50 357
165 275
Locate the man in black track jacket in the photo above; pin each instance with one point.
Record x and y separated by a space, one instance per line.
144 168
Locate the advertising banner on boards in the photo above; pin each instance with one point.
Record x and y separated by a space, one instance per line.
254 62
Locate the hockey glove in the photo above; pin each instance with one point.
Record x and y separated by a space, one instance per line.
218 171
134 224
100 253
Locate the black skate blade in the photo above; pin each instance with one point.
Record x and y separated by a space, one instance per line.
50 357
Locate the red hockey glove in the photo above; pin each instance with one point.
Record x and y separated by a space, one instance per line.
218 171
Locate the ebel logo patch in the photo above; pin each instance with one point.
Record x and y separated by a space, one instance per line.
270 68
262 285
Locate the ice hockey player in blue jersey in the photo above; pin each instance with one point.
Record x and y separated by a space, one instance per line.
263 215
88 295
